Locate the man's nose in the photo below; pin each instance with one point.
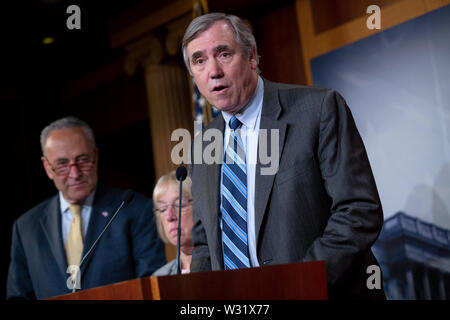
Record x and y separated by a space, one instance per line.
74 171
215 69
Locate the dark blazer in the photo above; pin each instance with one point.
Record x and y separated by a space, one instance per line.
130 248
322 204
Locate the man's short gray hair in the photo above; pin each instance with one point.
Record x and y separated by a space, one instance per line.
66 123
244 35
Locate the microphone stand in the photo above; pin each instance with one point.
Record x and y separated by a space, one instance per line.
179 230
181 174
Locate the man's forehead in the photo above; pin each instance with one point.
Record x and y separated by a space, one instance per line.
218 34
67 140
75 134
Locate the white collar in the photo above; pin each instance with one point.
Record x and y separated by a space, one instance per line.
65 205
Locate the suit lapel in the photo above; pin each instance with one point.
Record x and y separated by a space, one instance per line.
51 224
102 211
213 179
271 111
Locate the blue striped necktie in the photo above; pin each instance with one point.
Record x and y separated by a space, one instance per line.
234 202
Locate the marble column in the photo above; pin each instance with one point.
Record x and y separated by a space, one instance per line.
168 97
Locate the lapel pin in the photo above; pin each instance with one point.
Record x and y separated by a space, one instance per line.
105 214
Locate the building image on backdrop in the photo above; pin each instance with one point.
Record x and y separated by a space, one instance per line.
396 84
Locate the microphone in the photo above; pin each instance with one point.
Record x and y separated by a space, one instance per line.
126 198
181 175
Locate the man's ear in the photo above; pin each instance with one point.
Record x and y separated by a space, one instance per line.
253 60
48 169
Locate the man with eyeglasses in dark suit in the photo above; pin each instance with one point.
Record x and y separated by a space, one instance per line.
50 239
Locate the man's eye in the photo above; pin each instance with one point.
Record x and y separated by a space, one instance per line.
59 164
83 160
199 61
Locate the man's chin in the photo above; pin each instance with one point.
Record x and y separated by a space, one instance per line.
231 109
77 195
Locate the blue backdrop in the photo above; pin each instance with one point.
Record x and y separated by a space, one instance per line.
397 84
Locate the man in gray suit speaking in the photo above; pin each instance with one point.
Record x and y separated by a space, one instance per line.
322 202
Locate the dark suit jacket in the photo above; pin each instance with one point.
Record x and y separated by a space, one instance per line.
130 248
322 204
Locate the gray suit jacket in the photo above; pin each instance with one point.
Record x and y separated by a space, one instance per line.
322 204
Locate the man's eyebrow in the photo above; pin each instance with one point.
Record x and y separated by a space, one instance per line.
61 160
196 54
223 47
82 155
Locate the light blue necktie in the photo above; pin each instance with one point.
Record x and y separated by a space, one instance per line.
234 202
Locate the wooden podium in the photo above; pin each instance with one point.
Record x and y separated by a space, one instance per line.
298 281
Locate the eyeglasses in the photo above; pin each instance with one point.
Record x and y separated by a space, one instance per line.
62 166
162 210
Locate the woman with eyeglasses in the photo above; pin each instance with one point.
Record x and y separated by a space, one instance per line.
166 201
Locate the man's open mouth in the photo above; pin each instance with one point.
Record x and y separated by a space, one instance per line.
219 88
